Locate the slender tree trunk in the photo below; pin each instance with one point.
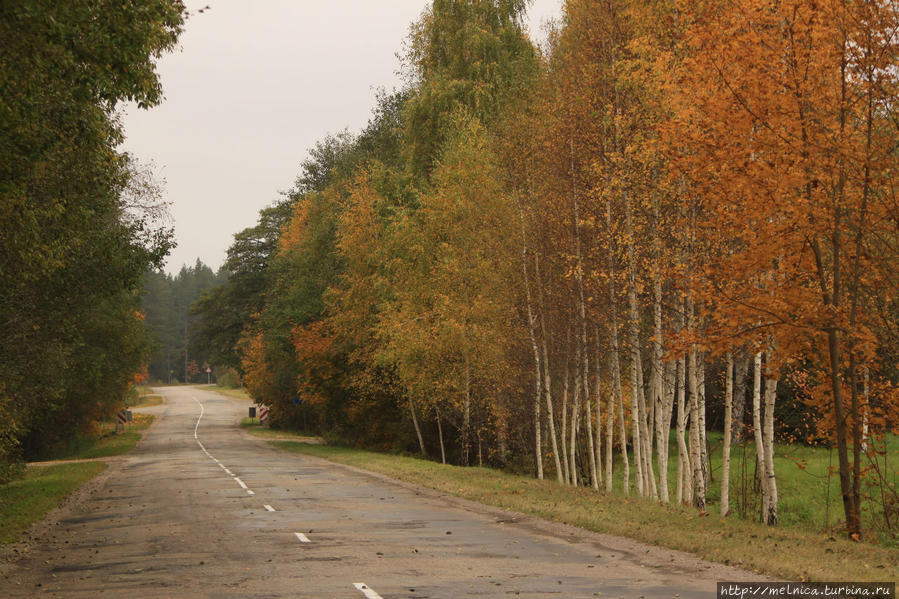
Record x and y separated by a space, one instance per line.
664 428
659 407
538 424
575 420
532 333
728 409
684 470
741 370
636 443
550 416
696 460
547 373
440 436
584 362
850 503
771 503
866 395
421 441
703 429
617 401
610 424
649 484
757 428
466 415
597 393
588 416
565 388
591 453
636 363
575 426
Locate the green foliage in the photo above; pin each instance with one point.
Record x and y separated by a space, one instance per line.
107 443
75 239
472 56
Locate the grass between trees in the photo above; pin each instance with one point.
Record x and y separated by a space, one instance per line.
793 552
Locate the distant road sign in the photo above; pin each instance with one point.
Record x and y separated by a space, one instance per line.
208 370
263 413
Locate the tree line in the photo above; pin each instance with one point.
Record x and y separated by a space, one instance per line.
177 355
78 218
579 259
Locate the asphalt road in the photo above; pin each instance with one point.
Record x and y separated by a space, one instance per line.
199 509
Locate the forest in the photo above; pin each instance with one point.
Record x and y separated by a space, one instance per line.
177 354
582 260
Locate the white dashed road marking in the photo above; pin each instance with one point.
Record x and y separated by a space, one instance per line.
366 591
210 456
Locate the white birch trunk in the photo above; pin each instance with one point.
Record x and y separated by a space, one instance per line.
440 436
597 393
684 471
658 403
532 333
728 414
757 428
575 421
703 429
610 425
421 441
547 376
564 431
588 422
771 503
696 461
466 414
866 393
616 402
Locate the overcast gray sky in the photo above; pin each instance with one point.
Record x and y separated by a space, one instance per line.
252 87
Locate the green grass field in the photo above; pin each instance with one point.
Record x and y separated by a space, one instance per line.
791 552
808 488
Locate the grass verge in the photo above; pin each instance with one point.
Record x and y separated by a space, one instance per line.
252 426
785 553
25 500
145 401
231 392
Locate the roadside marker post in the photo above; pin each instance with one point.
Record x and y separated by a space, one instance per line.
121 419
263 414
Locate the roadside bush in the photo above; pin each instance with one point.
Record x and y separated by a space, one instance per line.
11 464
